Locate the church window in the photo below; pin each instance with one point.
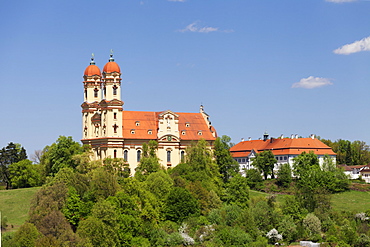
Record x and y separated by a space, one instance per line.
115 115
105 91
182 156
85 93
137 123
115 126
115 153
96 92
168 156
125 155
132 131
138 155
183 132
199 132
150 132
187 125
115 90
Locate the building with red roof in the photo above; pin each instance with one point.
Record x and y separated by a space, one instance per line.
284 149
114 132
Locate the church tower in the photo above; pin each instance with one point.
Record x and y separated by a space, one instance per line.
102 110
92 97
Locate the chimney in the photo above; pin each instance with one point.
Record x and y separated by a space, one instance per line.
271 140
265 136
281 136
242 139
313 136
296 136
292 136
249 139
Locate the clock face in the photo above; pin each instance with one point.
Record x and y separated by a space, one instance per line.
169 138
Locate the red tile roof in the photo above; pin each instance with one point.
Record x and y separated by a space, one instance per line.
141 122
285 146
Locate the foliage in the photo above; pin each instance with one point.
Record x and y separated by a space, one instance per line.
284 176
59 155
312 224
180 204
228 167
26 236
24 174
149 162
254 178
10 154
237 191
265 162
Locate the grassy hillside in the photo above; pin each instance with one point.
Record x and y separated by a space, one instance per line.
14 204
354 201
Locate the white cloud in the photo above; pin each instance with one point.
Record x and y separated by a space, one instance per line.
341 1
193 27
312 82
357 46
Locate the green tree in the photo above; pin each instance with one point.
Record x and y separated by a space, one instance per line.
59 155
10 154
237 191
149 162
284 177
26 236
254 178
227 165
303 162
24 174
265 162
180 204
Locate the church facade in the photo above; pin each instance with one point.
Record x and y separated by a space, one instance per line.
114 132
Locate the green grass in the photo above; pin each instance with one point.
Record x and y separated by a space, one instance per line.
15 204
355 201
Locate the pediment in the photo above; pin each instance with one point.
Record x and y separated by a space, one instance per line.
168 112
96 117
168 138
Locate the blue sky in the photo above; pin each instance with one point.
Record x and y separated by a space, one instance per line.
286 67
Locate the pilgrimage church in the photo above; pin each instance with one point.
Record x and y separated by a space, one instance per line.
114 132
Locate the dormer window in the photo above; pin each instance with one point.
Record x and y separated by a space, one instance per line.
187 125
132 131
199 133
115 90
137 123
150 132
183 132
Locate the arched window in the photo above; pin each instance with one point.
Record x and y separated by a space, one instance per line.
182 155
115 90
168 156
138 155
96 92
115 153
125 155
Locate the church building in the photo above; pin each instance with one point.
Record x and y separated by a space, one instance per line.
114 132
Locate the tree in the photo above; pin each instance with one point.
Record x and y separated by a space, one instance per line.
24 174
284 175
238 191
10 154
149 161
265 162
254 178
227 165
60 154
26 235
180 204
303 162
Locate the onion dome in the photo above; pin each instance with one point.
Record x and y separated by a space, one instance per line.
92 69
111 66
